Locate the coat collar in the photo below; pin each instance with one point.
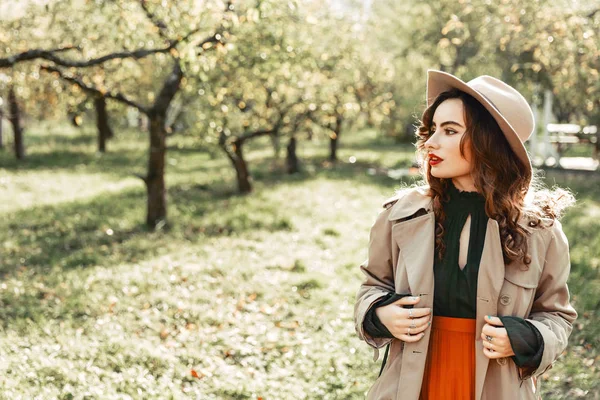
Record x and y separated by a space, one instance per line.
408 201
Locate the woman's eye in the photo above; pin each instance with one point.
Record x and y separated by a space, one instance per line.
448 131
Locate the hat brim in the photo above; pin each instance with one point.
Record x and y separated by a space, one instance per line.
439 81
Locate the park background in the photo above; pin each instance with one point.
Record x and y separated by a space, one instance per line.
187 186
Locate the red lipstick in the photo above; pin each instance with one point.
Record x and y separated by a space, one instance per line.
434 160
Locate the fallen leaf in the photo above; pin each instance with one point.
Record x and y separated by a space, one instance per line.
197 375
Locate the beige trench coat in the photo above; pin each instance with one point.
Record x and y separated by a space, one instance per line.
400 259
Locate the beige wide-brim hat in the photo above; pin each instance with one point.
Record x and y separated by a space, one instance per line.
508 107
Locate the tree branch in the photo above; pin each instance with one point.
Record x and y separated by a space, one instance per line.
119 55
50 56
163 28
214 38
250 135
142 177
160 24
31 55
93 90
218 35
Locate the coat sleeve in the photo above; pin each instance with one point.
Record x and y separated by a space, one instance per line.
379 277
552 313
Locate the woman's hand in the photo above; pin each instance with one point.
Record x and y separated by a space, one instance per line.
399 322
499 345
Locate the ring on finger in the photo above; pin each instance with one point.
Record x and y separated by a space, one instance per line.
489 338
408 331
410 311
413 325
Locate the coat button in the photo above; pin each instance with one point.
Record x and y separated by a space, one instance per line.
501 361
505 300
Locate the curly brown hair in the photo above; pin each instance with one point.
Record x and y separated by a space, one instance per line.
510 189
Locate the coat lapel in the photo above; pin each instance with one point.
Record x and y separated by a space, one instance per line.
415 239
489 283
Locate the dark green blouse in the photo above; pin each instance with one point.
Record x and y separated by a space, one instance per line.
455 293
455 288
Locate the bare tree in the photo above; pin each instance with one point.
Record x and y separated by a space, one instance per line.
15 119
156 112
104 130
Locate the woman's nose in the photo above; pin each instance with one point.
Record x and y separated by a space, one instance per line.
430 144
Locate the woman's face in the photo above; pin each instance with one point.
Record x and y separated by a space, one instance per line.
447 129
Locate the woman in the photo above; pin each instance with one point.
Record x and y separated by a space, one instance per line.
488 239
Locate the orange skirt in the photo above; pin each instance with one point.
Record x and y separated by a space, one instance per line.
450 366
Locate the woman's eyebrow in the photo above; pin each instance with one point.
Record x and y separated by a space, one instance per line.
449 123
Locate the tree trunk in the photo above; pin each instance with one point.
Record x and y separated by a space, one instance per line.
243 174
370 119
104 130
276 144
15 120
333 143
155 179
1 138
292 159
333 149
241 167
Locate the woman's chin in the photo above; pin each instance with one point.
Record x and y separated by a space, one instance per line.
435 172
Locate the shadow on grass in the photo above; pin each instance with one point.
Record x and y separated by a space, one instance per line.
109 229
69 160
56 139
118 161
50 148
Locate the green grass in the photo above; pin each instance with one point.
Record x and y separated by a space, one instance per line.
254 293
